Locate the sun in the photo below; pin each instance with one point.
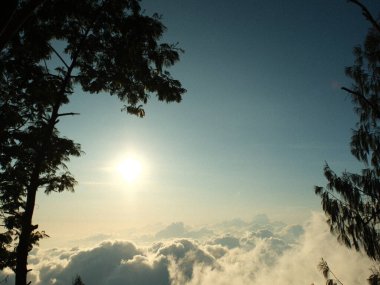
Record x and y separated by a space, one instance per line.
130 169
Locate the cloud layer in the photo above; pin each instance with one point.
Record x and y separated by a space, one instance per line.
235 252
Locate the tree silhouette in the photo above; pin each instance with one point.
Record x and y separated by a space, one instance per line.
101 46
78 281
326 271
352 201
374 279
12 17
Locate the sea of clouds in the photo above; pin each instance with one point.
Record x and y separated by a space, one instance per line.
234 252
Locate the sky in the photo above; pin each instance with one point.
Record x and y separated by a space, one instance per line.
262 114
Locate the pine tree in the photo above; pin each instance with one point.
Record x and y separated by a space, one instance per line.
352 200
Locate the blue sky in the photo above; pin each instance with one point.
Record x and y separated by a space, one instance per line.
262 114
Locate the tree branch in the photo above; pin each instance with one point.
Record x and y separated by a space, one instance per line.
336 277
59 56
357 94
68 114
16 20
367 14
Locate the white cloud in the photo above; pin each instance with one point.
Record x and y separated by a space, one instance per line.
273 261
178 230
173 230
227 241
140 270
298 266
261 252
94 266
184 255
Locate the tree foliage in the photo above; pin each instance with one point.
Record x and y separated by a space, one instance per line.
105 46
78 281
324 268
326 271
374 278
352 200
12 19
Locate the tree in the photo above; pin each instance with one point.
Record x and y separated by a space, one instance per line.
11 18
374 278
352 201
78 281
326 271
101 46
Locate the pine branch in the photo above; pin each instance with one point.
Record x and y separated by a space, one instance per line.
362 97
325 269
367 14
68 114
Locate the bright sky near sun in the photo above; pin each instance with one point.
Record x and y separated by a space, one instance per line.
262 114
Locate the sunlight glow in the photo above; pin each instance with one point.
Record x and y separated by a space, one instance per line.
130 169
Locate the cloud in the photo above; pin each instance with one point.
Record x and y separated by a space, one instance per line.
178 230
116 263
227 241
185 255
292 233
274 261
94 266
261 219
140 270
264 233
217 251
173 230
260 252
234 223
299 264
94 238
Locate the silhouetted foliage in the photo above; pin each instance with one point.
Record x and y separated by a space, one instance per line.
12 17
374 279
325 269
352 201
78 281
102 46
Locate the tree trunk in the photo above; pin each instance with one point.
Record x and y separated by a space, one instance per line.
27 228
25 235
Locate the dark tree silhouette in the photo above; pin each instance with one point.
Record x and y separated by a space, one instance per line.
13 14
101 46
78 281
352 201
326 271
374 278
